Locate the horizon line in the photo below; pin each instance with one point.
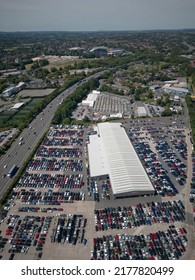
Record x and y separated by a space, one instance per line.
91 31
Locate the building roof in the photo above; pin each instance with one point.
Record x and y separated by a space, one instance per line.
141 110
97 161
171 82
89 103
177 89
176 97
9 89
111 152
91 98
17 105
96 91
97 49
21 84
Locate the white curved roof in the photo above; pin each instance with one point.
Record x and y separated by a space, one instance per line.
127 175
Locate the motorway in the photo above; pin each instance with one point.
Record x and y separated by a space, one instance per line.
17 154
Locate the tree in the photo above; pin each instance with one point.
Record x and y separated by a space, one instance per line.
167 113
150 94
86 119
137 97
53 69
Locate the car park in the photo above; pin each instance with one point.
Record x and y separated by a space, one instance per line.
159 177
63 176
45 164
27 234
50 181
68 228
160 245
134 216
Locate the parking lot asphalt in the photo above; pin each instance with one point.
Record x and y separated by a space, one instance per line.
46 186
106 104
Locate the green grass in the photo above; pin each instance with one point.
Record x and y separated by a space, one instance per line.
5 117
191 108
16 118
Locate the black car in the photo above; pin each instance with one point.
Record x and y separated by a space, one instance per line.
40 255
11 256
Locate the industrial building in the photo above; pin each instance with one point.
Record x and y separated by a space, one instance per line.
112 154
91 98
178 87
9 92
20 86
13 90
175 90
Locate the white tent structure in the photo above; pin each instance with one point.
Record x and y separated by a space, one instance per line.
111 153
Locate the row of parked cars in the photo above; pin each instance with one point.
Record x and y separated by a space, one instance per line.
168 132
39 209
95 189
141 214
63 142
33 180
3 242
157 174
176 166
66 131
26 232
69 228
3 214
192 189
47 198
160 245
180 146
45 164
4 134
50 152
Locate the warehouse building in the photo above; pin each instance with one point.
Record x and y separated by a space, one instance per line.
112 154
91 98
9 92
13 90
20 86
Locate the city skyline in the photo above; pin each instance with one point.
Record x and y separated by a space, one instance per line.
90 15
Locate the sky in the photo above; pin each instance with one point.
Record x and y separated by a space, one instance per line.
95 15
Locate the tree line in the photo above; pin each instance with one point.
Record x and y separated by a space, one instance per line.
64 111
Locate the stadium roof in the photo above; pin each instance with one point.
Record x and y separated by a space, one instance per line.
111 152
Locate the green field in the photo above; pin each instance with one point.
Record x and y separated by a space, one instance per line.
15 118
